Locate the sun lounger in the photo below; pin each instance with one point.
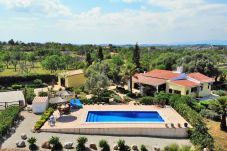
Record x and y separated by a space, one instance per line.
75 103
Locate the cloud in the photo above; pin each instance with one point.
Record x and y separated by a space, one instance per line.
47 7
181 21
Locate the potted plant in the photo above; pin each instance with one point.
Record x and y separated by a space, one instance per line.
32 145
56 144
103 144
81 141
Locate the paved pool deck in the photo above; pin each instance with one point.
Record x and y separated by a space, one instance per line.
76 122
26 125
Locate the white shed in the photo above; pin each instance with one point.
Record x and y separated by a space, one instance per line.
39 104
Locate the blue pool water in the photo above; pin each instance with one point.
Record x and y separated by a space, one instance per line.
123 116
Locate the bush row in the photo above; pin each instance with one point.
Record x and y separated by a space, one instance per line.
210 114
9 80
199 135
7 118
44 118
186 107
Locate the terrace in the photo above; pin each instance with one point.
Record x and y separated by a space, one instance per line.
75 122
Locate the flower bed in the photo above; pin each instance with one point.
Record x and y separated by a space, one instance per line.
7 118
43 118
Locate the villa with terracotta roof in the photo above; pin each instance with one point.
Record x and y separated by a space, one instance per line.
193 84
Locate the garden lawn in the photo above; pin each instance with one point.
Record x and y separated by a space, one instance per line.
218 135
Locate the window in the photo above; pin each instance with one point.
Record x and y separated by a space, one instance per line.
194 89
177 92
170 91
187 92
201 87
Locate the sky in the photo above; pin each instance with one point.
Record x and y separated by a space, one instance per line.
114 21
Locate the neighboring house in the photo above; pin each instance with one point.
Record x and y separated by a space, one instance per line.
39 104
193 84
64 94
12 97
73 78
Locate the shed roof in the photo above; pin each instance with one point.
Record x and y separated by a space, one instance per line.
71 73
11 96
57 100
38 99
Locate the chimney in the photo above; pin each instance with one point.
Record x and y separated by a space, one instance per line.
180 69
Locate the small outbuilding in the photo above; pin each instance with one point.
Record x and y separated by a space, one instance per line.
39 104
73 78
12 98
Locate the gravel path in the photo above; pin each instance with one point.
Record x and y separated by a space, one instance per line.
26 125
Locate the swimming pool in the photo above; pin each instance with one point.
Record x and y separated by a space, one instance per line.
123 116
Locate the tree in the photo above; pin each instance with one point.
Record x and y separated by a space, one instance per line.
136 56
6 59
1 67
15 59
220 106
97 79
51 63
31 58
88 59
11 42
100 54
127 71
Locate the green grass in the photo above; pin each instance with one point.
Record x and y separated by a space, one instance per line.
36 70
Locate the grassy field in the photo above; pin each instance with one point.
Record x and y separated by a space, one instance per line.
220 137
36 70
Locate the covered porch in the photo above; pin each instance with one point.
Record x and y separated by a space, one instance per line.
148 86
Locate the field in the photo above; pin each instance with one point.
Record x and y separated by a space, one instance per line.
219 136
36 70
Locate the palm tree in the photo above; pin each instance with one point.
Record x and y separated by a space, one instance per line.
220 106
127 71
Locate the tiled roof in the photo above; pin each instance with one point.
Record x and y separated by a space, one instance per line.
71 73
40 99
140 78
186 83
162 74
200 77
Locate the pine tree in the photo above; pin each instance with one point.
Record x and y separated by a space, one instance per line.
88 59
100 54
136 56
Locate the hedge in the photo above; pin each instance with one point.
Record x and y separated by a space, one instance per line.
7 118
186 106
199 135
44 118
210 114
9 80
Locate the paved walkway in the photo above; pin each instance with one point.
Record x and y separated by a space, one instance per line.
30 118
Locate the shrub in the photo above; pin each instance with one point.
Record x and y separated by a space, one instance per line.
132 95
32 145
44 118
29 95
81 141
121 90
9 80
43 93
206 103
17 86
117 98
143 148
104 145
122 146
56 144
176 147
210 114
220 92
148 100
38 82
7 117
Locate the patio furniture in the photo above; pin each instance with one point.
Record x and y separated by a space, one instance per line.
64 109
75 103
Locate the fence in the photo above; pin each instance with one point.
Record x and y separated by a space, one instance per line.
4 105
